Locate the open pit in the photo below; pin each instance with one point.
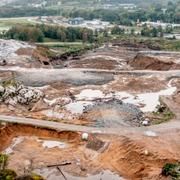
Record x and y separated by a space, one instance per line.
131 156
39 150
128 91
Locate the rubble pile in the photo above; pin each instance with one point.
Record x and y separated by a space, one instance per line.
13 93
114 112
8 50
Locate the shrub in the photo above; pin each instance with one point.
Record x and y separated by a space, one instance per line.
172 170
3 159
31 177
7 174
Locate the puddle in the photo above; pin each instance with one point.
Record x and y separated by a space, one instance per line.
89 94
14 143
78 107
52 144
45 143
149 100
43 77
54 174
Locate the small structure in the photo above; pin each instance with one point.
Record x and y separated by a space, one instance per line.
76 21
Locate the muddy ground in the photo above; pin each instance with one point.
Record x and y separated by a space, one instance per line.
131 156
115 86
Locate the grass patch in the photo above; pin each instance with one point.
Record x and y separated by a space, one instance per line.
3 160
8 174
161 43
162 117
67 47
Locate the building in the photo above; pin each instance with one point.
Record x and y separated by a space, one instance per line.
76 21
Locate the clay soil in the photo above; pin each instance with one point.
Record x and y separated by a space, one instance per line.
132 156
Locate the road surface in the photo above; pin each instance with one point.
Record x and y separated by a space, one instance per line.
171 125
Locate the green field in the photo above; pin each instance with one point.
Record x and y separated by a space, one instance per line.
7 23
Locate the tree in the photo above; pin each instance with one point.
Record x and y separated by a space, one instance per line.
117 30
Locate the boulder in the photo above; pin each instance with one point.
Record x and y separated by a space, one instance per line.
13 93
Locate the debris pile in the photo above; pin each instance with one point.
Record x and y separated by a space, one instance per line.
113 112
8 50
13 93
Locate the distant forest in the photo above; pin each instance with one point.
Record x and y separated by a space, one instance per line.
153 12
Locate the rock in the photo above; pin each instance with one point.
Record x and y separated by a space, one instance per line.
146 152
39 106
145 122
9 91
63 101
150 133
13 93
12 101
85 136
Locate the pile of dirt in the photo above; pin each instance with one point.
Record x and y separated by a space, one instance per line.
38 55
113 113
141 158
144 61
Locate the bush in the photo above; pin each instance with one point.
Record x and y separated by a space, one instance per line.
31 177
3 159
7 174
172 170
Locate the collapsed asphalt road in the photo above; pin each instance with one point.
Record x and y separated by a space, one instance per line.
165 127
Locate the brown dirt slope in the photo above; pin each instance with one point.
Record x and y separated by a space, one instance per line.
142 61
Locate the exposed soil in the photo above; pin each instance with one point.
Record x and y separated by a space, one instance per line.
161 62
80 96
142 158
131 156
95 63
11 131
137 84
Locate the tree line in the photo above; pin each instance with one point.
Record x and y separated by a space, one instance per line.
169 13
39 32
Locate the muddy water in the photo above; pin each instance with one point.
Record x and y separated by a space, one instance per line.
54 174
42 77
46 143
